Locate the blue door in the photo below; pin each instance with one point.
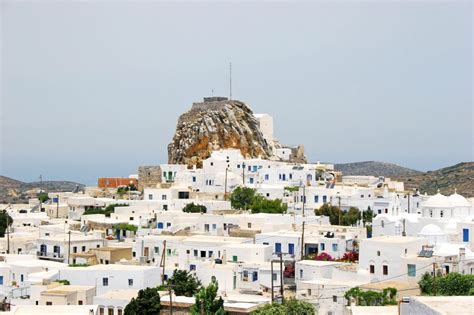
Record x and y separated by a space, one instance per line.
254 276
291 249
160 225
277 248
465 235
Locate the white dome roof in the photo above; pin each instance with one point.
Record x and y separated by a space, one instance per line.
431 230
458 200
438 201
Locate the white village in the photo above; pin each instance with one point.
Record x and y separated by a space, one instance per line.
238 223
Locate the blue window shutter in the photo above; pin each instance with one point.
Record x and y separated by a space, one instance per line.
465 235
291 249
277 247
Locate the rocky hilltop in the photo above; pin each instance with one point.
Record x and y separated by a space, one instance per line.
374 168
15 191
217 123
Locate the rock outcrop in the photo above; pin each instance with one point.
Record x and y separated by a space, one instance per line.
217 123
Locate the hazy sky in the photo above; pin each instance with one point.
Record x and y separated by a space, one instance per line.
94 89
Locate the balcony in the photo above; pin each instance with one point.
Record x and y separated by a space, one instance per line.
50 256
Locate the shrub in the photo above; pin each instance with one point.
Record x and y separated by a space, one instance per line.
194 208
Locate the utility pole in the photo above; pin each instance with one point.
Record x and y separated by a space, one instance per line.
281 277
302 242
57 206
225 182
162 263
304 197
271 277
69 247
409 202
8 232
404 233
340 210
243 173
171 299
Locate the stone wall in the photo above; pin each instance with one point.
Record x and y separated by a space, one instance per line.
148 176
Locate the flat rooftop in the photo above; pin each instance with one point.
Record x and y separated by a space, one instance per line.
393 239
448 305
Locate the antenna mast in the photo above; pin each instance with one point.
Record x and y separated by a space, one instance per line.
230 80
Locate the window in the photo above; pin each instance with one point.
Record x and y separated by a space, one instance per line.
203 254
334 247
378 253
214 226
74 249
156 249
83 248
372 269
130 282
194 179
212 163
249 225
110 311
1 280
278 248
119 311
274 277
183 195
316 199
105 282
291 249
251 180
322 246
431 213
235 258
465 235
150 197
411 270
334 298
160 225
195 253
301 273
192 267
49 303
325 199
362 196
267 177
385 270
165 207
163 197
168 252
131 218
101 311
206 227
80 302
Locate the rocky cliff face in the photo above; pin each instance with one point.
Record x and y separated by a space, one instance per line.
217 123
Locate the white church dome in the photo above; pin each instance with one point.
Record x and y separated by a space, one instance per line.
458 201
431 230
438 201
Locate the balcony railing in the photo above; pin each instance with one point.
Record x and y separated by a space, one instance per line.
50 256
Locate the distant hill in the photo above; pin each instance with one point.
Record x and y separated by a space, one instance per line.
374 168
459 176
15 191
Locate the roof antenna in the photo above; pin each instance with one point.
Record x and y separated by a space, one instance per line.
230 80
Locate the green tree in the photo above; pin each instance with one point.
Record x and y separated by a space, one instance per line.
451 284
330 211
367 216
289 307
146 303
206 302
372 298
261 204
242 197
43 197
184 283
194 208
4 219
351 217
